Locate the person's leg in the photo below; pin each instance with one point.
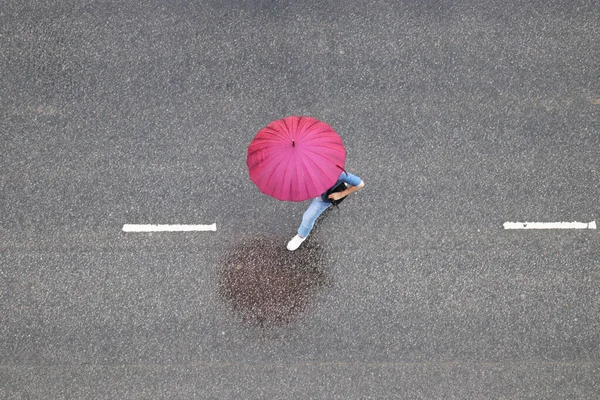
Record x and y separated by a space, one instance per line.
316 208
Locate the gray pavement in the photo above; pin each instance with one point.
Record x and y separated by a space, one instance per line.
458 115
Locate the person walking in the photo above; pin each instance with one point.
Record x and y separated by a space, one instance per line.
335 194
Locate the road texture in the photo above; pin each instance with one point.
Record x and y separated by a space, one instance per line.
458 115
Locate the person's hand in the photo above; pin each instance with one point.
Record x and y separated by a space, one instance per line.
336 196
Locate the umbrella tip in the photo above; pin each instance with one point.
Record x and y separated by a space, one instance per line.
293 144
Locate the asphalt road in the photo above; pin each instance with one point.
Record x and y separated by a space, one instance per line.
458 115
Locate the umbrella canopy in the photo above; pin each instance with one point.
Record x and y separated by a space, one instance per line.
295 158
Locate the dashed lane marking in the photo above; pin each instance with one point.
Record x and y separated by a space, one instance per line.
168 228
550 225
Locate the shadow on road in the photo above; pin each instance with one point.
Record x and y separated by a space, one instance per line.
269 286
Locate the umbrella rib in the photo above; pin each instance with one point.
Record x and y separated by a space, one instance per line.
266 164
325 139
305 180
324 173
278 159
287 173
278 129
258 149
310 149
325 149
275 146
306 129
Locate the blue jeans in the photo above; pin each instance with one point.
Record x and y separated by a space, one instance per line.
316 208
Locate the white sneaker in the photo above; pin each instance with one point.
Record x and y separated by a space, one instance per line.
295 242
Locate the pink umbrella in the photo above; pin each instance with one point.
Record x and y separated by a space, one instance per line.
295 158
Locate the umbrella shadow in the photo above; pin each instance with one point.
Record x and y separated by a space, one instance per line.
269 286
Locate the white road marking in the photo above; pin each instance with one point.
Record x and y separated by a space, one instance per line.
168 228
550 225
